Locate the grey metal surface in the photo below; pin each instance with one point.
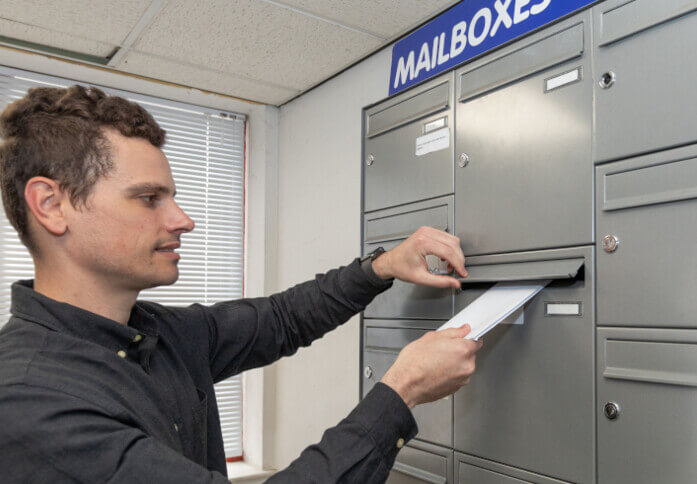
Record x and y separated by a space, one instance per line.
650 374
518 271
646 44
529 183
418 105
419 463
531 403
649 204
529 58
399 223
398 175
387 228
380 351
474 470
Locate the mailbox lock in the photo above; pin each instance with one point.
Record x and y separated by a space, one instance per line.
607 80
370 159
610 243
464 160
612 410
368 372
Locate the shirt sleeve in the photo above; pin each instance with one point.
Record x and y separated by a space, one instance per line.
249 333
50 436
362 448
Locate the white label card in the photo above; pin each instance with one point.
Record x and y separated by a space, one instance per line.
434 125
563 309
563 80
434 141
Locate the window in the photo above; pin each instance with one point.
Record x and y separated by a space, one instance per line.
205 149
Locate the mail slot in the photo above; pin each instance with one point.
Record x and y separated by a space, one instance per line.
420 463
650 377
647 210
382 342
530 403
387 229
475 470
529 181
649 106
408 146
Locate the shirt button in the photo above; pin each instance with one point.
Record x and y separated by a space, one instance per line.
121 353
400 443
137 338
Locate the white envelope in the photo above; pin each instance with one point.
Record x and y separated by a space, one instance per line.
494 306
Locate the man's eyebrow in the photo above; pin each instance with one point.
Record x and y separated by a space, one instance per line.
149 187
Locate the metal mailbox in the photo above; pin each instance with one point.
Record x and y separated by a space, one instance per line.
645 79
382 342
647 405
420 463
571 156
471 469
647 227
524 123
408 147
387 228
530 403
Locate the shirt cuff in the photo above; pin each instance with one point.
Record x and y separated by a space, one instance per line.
367 266
387 419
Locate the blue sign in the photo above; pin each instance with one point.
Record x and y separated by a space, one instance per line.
467 30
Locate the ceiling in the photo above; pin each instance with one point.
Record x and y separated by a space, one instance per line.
260 50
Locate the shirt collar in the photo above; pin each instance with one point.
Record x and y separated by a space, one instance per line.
66 318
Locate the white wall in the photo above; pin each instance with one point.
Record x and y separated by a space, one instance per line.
319 228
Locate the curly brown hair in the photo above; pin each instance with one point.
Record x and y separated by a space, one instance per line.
59 134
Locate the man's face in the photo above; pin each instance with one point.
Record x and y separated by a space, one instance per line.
128 231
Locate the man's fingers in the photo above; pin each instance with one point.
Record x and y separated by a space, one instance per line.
450 252
427 279
456 332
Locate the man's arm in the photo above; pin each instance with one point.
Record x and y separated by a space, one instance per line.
363 447
249 333
50 436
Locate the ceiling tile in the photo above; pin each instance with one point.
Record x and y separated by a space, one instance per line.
254 39
163 69
385 18
101 20
54 39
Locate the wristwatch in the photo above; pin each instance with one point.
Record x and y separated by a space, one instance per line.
372 255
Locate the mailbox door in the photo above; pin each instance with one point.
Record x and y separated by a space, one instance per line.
382 342
647 233
475 470
387 228
648 46
524 119
409 145
650 375
420 463
530 403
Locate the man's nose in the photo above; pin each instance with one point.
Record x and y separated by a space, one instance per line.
180 221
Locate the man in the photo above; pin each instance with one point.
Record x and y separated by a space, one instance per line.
96 387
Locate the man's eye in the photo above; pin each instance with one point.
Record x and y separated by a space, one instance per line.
149 198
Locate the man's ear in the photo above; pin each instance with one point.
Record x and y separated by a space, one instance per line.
45 200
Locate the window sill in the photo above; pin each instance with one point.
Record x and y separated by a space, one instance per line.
243 472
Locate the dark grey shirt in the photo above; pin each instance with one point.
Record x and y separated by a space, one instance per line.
86 399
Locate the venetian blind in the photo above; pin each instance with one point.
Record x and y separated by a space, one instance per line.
205 149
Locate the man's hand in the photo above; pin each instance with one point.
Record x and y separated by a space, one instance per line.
434 366
407 261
